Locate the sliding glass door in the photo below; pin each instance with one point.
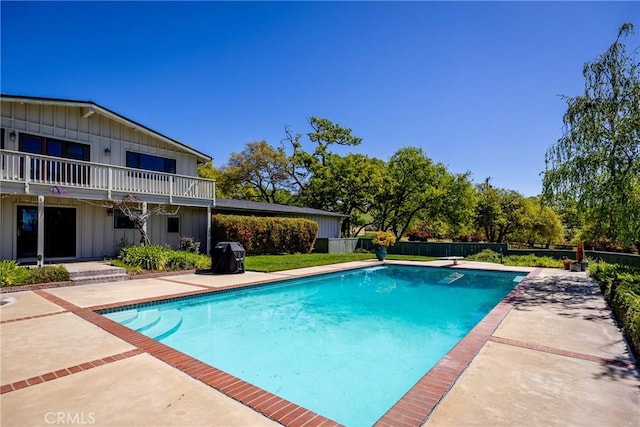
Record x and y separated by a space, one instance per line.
59 232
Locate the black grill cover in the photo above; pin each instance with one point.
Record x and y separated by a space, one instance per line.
227 258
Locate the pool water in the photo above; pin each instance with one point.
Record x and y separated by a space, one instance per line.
345 345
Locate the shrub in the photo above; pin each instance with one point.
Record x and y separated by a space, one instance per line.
362 251
12 273
467 238
419 234
189 244
529 260
149 257
186 260
131 269
532 260
620 285
266 235
159 258
49 273
486 255
606 245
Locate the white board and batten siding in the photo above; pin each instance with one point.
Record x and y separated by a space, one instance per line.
99 131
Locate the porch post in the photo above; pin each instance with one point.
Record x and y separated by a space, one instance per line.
209 230
40 251
144 224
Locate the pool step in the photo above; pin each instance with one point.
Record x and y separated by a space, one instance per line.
123 317
145 319
170 321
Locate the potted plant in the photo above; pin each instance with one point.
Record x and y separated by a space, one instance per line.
566 262
581 257
382 240
577 265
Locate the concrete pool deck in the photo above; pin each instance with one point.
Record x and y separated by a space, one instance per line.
550 354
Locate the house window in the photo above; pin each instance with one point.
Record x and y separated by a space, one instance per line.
54 147
53 171
150 163
120 220
173 224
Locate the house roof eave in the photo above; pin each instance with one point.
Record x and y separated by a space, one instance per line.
107 113
261 207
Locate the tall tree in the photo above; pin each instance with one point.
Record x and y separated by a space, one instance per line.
499 212
540 224
326 133
414 188
208 171
596 163
347 184
262 170
304 165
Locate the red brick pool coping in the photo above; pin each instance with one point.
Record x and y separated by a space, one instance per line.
412 409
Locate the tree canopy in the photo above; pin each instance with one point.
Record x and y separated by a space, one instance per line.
596 163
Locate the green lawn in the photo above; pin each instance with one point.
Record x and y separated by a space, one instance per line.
271 263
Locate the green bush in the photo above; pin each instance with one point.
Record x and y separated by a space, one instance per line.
13 274
186 260
620 285
49 273
486 255
159 258
149 257
189 244
532 260
131 269
266 235
529 260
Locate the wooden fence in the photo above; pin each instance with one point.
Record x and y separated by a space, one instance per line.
441 249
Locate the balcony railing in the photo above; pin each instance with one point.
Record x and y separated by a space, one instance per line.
31 169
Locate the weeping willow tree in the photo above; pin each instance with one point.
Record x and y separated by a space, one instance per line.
596 163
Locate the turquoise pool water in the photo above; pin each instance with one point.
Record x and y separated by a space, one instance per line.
346 345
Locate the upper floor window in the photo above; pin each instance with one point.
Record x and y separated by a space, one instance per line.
55 171
150 163
54 147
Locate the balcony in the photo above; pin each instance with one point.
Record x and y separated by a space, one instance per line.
25 173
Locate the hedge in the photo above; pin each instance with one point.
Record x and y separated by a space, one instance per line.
265 235
620 285
159 258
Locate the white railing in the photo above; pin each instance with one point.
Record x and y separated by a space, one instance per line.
58 172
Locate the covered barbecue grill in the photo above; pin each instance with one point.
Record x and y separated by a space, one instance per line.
227 258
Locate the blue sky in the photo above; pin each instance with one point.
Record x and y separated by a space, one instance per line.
474 84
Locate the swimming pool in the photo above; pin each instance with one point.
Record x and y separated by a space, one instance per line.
346 345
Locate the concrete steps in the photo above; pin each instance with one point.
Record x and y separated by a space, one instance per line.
94 272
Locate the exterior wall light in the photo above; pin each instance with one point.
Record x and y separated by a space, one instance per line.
12 135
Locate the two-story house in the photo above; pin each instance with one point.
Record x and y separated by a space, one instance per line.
62 161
